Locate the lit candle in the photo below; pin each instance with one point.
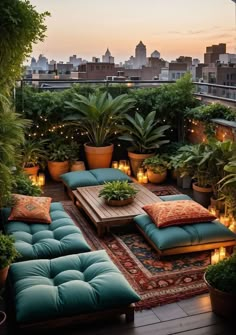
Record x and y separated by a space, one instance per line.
213 211
215 257
145 179
33 178
222 253
129 172
114 165
140 177
232 227
121 167
41 179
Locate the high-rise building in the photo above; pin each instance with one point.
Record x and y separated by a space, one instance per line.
107 58
155 54
140 55
213 52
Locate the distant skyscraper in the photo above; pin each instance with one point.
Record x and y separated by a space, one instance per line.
155 54
107 58
213 52
140 55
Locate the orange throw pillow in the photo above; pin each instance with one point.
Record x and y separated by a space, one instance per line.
179 212
30 209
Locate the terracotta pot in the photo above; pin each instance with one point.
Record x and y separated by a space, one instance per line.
136 160
156 178
218 204
222 303
57 168
98 157
3 276
202 194
31 170
77 166
119 203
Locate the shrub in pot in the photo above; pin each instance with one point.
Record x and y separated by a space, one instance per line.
221 282
58 159
8 254
23 185
118 193
145 137
156 168
98 116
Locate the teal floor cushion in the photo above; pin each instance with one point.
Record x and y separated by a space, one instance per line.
184 238
37 240
67 286
94 177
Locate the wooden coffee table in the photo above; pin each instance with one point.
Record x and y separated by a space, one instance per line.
104 216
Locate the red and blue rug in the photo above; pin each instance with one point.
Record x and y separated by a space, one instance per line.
157 281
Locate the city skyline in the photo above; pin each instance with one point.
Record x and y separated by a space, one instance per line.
173 28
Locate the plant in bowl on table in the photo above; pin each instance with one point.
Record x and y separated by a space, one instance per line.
156 168
145 137
118 193
98 116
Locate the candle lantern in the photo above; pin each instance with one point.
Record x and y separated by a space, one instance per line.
215 256
114 165
41 179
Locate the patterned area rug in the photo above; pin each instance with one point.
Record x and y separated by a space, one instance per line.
157 281
162 189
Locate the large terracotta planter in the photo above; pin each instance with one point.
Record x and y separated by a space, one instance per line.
3 276
57 168
31 170
222 303
98 157
156 178
136 161
202 194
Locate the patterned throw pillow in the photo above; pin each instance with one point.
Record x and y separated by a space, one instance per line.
179 212
30 209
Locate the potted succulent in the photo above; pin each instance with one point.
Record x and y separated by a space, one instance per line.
58 159
144 136
33 155
98 116
118 193
8 254
221 282
156 168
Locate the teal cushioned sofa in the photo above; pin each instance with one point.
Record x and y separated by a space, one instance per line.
184 238
37 240
73 285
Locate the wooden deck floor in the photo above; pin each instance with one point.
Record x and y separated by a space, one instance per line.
186 317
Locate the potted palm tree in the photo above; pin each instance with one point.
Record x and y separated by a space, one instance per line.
144 136
156 168
220 279
98 116
118 193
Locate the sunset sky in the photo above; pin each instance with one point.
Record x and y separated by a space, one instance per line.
173 27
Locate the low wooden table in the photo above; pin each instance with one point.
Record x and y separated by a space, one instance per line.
104 216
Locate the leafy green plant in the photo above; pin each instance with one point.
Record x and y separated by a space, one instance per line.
98 115
33 153
23 185
21 27
143 133
8 252
59 152
74 151
117 190
222 275
157 163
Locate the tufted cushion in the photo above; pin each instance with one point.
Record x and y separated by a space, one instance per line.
184 235
36 240
66 286
30 209
92 177
177 212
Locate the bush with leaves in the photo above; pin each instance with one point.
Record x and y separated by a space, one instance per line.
117 190
24 185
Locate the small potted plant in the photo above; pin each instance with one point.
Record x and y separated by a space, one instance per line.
156 168
221 282
75 163
58 159
118 193
8 254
